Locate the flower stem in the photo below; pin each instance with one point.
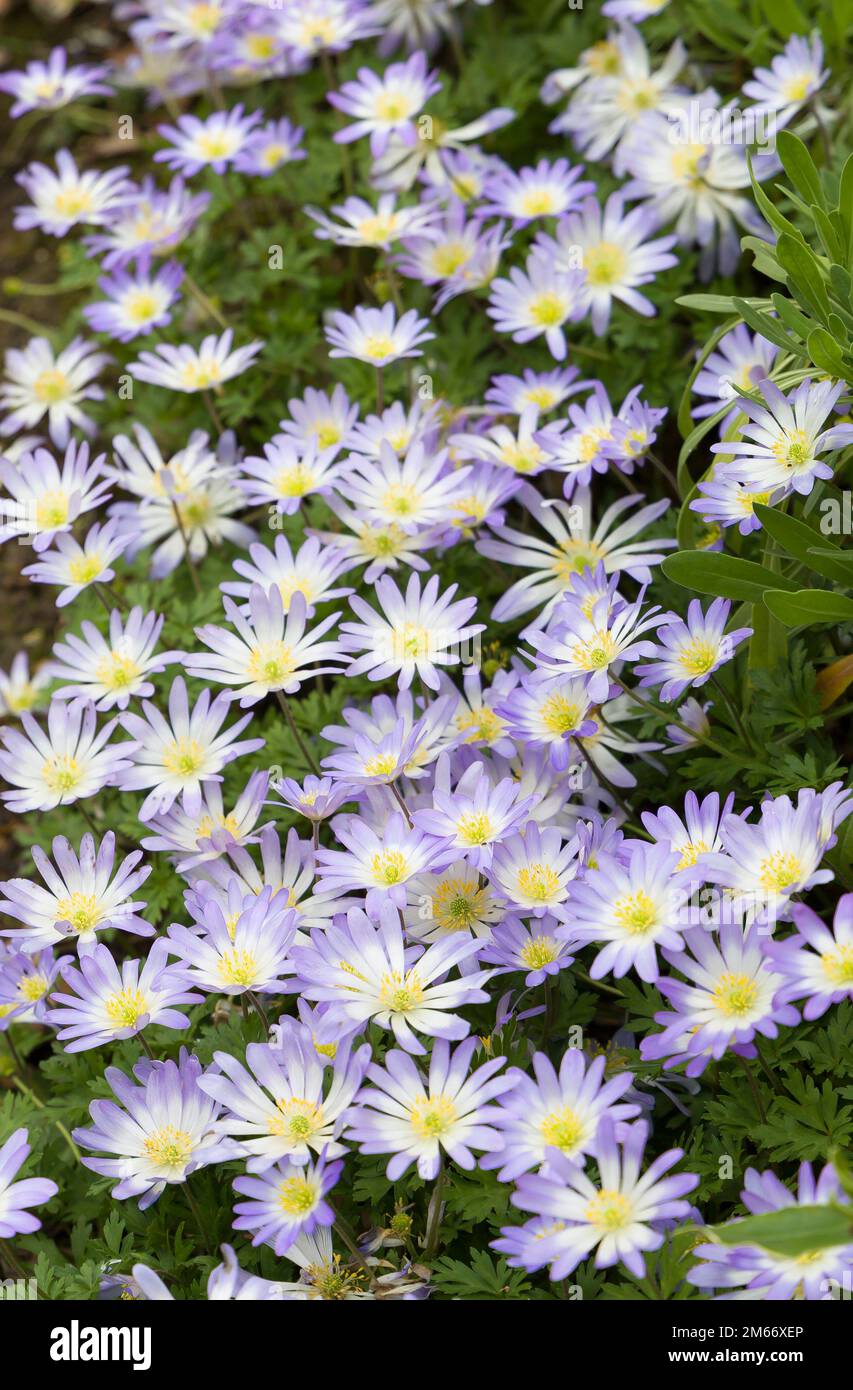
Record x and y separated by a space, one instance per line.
433 1230
284 704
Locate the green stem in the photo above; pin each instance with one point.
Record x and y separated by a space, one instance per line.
669 718
284 705
756 1094
433 1230
732 708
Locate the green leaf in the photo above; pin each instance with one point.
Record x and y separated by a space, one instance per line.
795 1230
724 576
824 352
785 18
808 606
800 167
769 328
798 540
804 273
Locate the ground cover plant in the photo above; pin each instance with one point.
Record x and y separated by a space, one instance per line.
426 444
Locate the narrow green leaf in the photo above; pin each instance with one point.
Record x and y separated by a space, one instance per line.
799 540
723 576
800 167
808 606
792 1231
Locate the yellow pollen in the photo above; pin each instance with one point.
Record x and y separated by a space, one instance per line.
32 987
548 310
238 967
328 434
374 231
85 568
605 264
388 867
481 725
141 305
690 853
271 663
185 758
215 144
779 871
116 671
560 715
538 882
686 160
379 346
456 903
400 994
204 19
296 1119
794 450
609 1210
411 641
539 951
51 510
169 1147
543 396
562 1129
73 202
475 829
125 1008
61 774
596 653
295 482
735 995
383 765
81 910
433 1117
296 1196
391 106
838 965
538 202
636 913
796 88
197 376
698 657
401 500
52 386
448 258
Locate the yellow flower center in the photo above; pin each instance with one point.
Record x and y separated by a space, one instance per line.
116 671
475 829
796 88
538 882
271 663
401 499
735 995
559 714
197 376
51 510
328 434
238 967
85 568
605 264
296 1119
376 230
388 867
185 757
690 853
838 965
597 652
433 1117
82 910
400 994
73 202
52 386
779 871
32 987
215 144
381 766
609 1210
169 1147
125 1008
457 903
538 202
481 724
296 1196
636 912
294 482
794 449
379 346
141 305
449 257
547 309
539 951
392 106
61 774
562 1129
699 657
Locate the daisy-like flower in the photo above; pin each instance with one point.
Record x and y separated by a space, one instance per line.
581 644
687 653
150 221
545 390
269 148
538 302
315 798
816 963
730 993
176 756
424 735
412 635
140 467
136 302
46 497
369 762
385 104
19 690
603 112
324 26
25 982
271 649
433 154
321 419
377 545
634 904
68 196
755 1273
559 1111
451 247
615 253
82 897
248 953
362 224
186 517
284 1101
531 948
215 141
196 839
723 501
364 971
413 492
171 25
616 1217
695 716
738 363
111 671
287 1202
782 444
47 86
382 864
400 426
103 1003
544 190
474 815
163 1130
69 760
452 900
290 470
518 449
416 1118
17 1197
185 368
697 834
571 547
42 383
376 336
549 713
793 78
700 185
763 865
533 870
311 572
